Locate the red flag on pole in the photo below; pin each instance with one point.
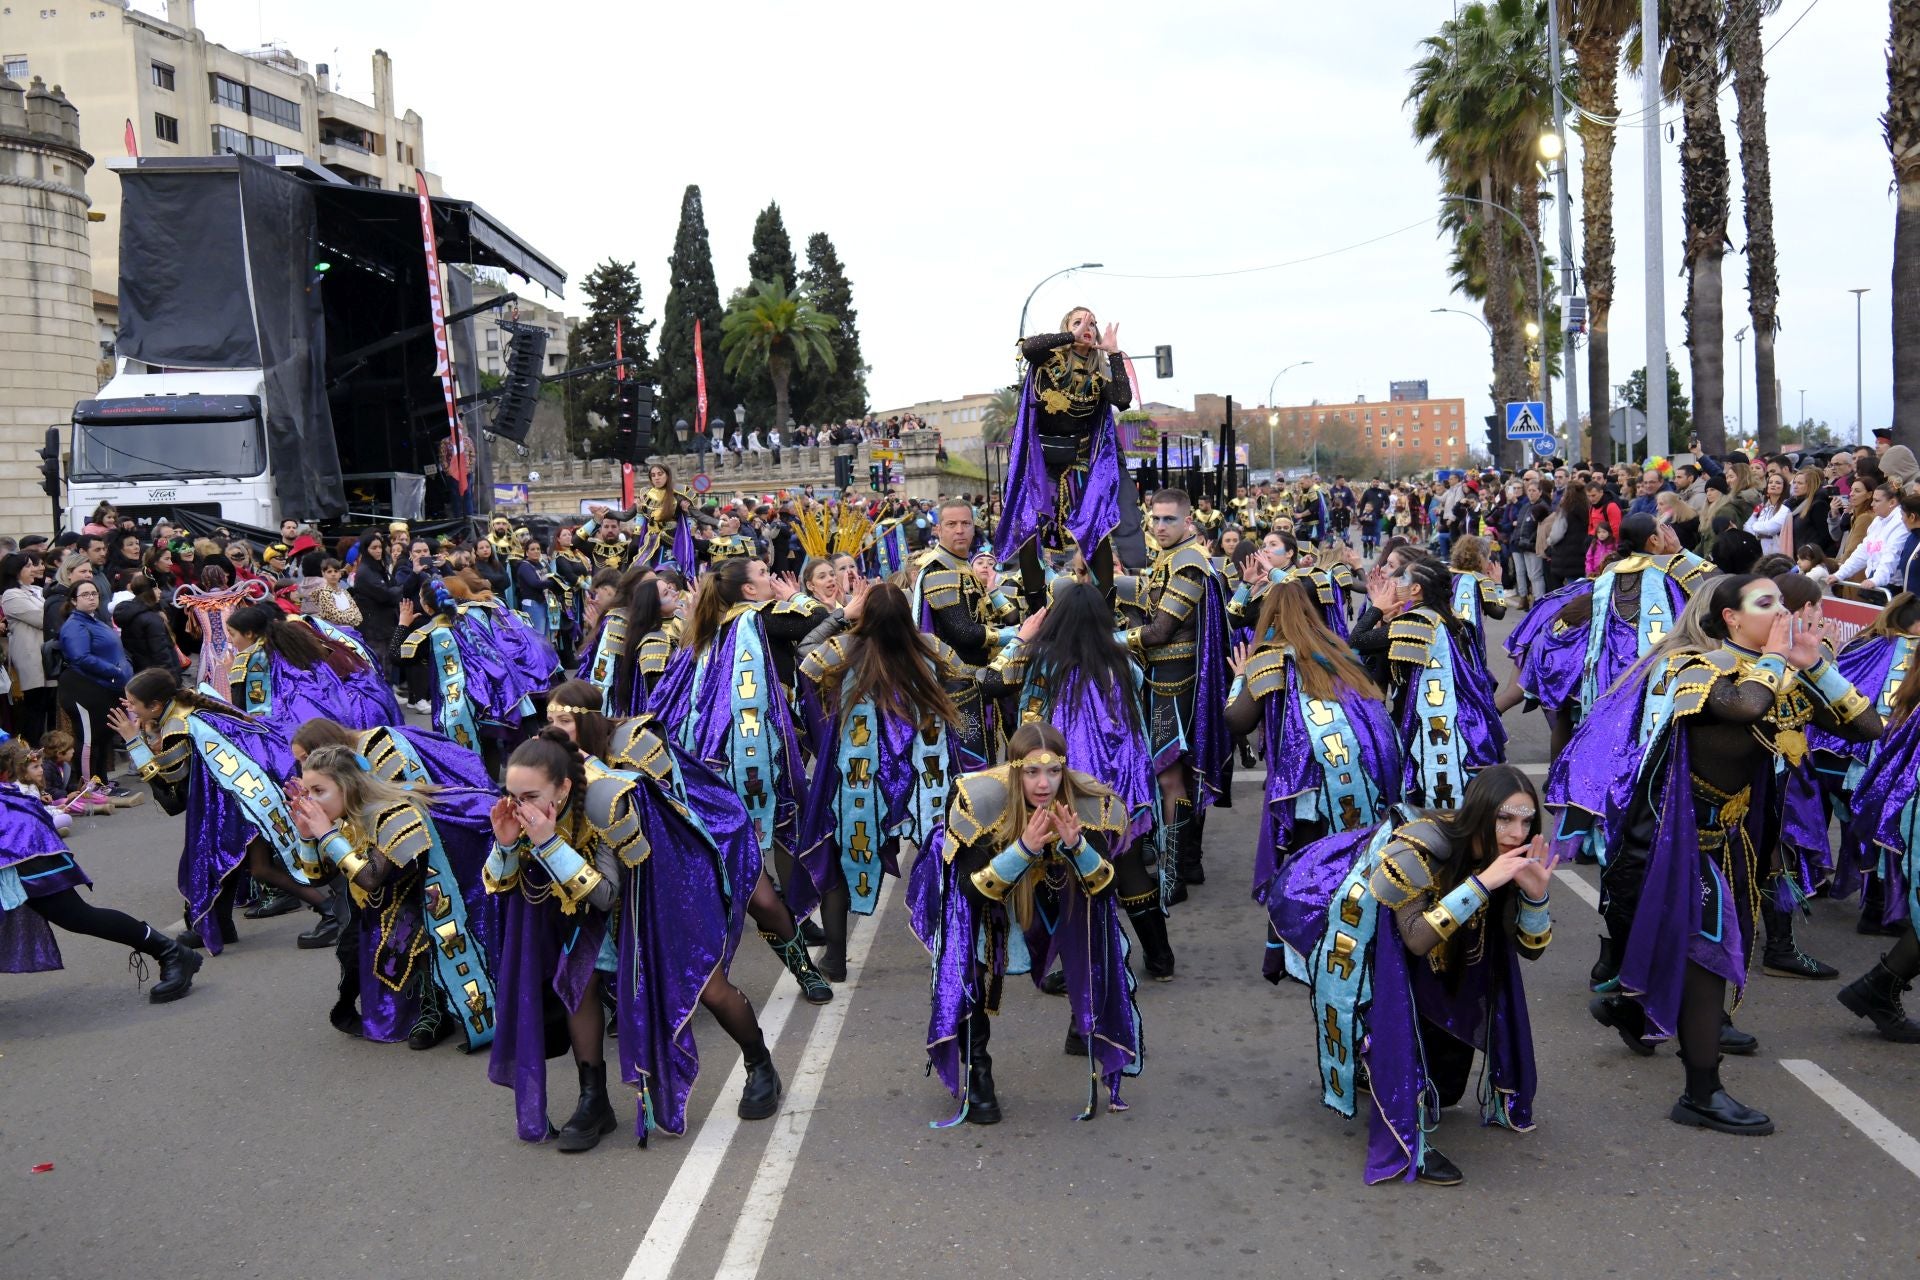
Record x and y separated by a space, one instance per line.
699 379
457 453
133 140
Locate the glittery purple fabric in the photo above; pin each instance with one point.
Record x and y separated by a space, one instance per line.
1031 493
1209 744
817 851
297 695
448 764
1301 893
503 663
1101 738
218 830
27 943
947 921
681 915
1294 767
1889 787
1551 666
545 955
1082 935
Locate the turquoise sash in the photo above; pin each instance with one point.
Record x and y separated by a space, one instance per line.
1347 797
860 807
1903 651
459 962
456 709
256 683
754 744
601 672
258 795
1656 620
1438 703
1341 970
339 636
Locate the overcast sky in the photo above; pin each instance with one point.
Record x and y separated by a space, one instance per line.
958 154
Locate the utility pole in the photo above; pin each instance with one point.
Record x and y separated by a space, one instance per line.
1859 395
1658 441
1566 224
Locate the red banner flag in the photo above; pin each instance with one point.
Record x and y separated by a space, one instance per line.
457 452
699 380
620 375
133 140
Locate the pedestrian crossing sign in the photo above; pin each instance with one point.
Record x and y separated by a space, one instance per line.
1526 420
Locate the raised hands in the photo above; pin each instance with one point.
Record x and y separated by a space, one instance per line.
123 722
1031 627
1040 829
1238 659
856 600
1110 340
1535 876
309 819
505 817
1066 824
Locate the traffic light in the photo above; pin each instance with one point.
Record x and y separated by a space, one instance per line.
50 464
873 476
632 421
1163 362
842 471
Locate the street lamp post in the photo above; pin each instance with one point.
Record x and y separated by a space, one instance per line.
1859 395
1273 419
1539 271
1393 457
1740 374
1085 266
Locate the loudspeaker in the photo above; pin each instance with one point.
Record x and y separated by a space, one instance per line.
513 412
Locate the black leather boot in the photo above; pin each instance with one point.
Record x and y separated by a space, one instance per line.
1741 1044
1624 1017
1191 870
1783 957
1150 926
1707 1105
761 1098
1076 1044
814 988
344 1017
177 967
1438 1171
323 934
1876 997
271 903
593 1118
431 1025
983 1105
1605 974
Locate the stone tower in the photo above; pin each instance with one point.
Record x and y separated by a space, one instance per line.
49 348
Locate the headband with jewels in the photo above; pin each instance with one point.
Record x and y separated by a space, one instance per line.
1039 758
562 709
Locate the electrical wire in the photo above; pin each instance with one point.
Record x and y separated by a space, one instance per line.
1635 119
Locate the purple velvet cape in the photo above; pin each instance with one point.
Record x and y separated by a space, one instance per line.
297 695
1086 940
27 943
1487 1009
1595 782
502 663
1209 744
1294 768
1550 666
218 829
1032 499
1817 789
1890 784
1479 730
448 764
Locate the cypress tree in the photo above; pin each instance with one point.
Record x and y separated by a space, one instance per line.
692 294
840 393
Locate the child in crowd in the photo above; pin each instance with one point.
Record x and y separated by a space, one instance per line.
1811 561
20 769
56 759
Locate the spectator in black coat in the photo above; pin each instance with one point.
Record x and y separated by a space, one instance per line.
376 592
144 633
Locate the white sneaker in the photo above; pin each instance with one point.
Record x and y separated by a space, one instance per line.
423 707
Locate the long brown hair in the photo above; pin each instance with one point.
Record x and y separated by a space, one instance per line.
891 664
643 619
1035 735
722 588
364 794
159 686
1290 617
592 731
295 641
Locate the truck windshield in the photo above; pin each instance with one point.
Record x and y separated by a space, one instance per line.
167 450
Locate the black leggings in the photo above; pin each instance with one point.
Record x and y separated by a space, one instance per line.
34 716
68 910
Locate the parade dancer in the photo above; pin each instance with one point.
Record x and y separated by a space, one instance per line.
1577 642
1333 760
1443 700
1017 878
1415 934
1886 802
1182 642
39 883
723 703
1332 581
881 773
957 598
427 933
1065 481
1066 669
1477 593
225 771
486 664
631 649
286 673
1673 772
623 875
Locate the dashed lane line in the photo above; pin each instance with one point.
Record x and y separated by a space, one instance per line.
1879 1130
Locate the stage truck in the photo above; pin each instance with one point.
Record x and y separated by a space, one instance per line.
276 353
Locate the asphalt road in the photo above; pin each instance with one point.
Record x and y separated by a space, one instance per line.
236 1134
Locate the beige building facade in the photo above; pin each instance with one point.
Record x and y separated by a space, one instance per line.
490 341
958 421
49 342
179 94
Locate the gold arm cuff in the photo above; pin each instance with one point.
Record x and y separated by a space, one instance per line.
1441 921
575 889
500 885
1099 878
990 883
1761 676
1534 941
1851 707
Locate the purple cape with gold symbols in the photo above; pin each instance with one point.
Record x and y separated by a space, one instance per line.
1033 501
503 663
27 943
1882 821
389 1003
294 695
218 829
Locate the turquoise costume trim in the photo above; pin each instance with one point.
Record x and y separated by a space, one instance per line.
1085 859
258 795
1439 702
600 674
1467 589
753 744
1534 916
339 636
482 612
459 963
1465 902
256 683
1345 788
12 895
562 861
1655 621
1012 862
456 718
1829 684
1341 970
860 808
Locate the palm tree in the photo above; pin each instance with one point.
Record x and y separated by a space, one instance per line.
766 328
1595 29
1744 59
996 424
1901 124
1704 181
1480 99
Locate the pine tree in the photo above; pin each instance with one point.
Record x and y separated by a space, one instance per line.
613 294
691 294
831 395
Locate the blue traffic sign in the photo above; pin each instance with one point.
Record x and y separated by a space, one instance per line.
1527 420
1544 448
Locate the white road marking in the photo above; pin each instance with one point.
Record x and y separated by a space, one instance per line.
754 1227
660 1250
1882 1132
1578 883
